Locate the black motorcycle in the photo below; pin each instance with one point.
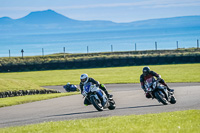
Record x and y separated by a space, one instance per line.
159 91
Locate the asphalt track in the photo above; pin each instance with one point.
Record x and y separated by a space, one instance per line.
129 99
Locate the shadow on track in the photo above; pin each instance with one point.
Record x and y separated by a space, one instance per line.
90 112
146 106
78 113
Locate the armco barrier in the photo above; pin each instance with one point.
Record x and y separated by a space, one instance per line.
104 62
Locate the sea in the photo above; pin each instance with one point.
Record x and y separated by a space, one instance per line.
39 44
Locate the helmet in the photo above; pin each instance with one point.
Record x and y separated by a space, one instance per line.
84 78
68 84
146 71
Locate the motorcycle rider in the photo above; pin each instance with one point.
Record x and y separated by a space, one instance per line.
70 87
147 73
85 79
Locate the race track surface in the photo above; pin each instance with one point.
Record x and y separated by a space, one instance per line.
129 98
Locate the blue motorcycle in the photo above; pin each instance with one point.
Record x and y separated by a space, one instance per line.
97 97
70 87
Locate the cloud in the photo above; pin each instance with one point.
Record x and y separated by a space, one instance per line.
173 3
141 4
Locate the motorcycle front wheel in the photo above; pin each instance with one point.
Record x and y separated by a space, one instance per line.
96 103
160 98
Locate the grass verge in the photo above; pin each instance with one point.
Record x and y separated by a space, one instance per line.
180 121
15 85
131 74
31 98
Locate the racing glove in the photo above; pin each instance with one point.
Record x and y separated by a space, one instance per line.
159 77
84 94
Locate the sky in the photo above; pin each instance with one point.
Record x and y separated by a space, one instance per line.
112 10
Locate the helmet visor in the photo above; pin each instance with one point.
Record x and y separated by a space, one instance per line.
83 80
145 72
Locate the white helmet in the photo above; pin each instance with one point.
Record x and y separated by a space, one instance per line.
84 78
68 84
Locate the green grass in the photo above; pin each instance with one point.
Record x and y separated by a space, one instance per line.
31 98
15 85
131 74
171 122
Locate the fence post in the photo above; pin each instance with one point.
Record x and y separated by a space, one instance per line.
64 51
156 45
87 49
177 44
197 44
22 51
42 52
111 48
135 47
9 53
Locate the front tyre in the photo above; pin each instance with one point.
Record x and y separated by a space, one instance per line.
160 98
96 103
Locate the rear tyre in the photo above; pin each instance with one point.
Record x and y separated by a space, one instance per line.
112 105
96 104
160 98
173 100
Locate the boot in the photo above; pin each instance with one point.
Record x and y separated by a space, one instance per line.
102 87
170 90
107 94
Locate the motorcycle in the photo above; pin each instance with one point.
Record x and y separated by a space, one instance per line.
159 91
97 97
70 87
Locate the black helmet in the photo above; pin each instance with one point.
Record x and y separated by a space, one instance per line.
146 71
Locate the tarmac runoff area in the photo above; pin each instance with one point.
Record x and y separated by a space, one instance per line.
129 100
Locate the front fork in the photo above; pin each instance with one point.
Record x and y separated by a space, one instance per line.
94 94
165 93
99 96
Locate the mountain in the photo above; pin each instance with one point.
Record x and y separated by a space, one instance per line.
45 17
174 22
51 17
51 21
6 20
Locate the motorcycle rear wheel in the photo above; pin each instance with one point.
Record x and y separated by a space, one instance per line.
112 105
173 100
95 103
160 98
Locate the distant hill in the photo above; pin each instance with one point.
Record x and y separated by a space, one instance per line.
45 17
175 22
51 21
6 21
